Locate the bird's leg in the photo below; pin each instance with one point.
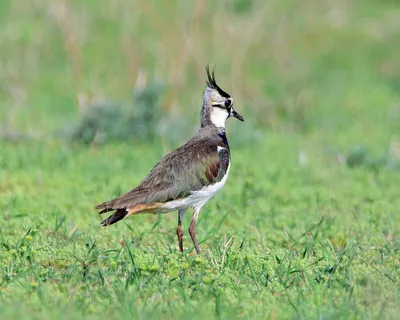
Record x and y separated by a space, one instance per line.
179 232
192 231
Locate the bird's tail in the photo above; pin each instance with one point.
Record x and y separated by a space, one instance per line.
119 214
106 206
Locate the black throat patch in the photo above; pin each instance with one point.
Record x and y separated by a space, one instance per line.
223 136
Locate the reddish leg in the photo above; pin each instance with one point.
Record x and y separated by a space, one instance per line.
192 231
179 231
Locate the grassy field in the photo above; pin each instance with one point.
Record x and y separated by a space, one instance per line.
308 223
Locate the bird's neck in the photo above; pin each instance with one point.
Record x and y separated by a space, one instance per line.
213 133
213 117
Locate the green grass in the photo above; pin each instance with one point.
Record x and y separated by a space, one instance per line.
281 240
308 223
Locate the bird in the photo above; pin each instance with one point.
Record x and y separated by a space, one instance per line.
189 176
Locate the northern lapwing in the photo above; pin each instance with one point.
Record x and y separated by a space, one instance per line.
189 176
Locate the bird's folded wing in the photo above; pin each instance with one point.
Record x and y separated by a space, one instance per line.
175 177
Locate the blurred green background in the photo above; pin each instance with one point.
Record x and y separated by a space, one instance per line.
92 93
326 67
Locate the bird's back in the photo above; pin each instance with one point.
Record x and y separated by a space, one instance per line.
189 168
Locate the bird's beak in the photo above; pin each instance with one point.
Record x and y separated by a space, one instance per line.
236 115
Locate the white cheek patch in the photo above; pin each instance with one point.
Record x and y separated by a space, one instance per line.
218 117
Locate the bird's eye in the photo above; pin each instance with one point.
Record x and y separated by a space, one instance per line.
228 103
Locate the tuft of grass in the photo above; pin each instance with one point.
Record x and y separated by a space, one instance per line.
109 122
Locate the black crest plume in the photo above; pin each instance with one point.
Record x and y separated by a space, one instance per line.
212 84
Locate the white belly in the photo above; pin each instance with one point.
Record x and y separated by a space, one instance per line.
198 198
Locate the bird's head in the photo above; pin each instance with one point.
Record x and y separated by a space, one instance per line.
217 105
